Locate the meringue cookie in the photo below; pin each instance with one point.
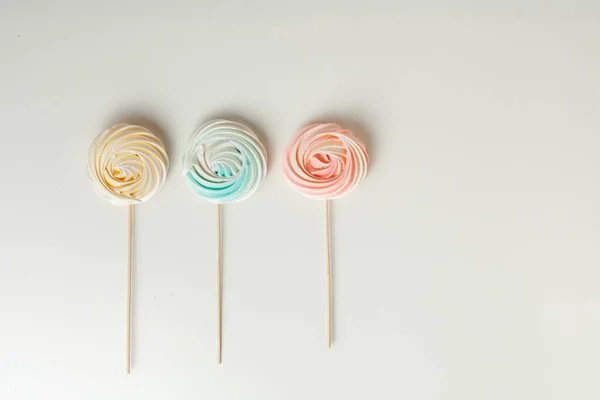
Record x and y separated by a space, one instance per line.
127 164
324 161
225 162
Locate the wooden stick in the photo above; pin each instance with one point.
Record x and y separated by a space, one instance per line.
328 253
129 274
219 318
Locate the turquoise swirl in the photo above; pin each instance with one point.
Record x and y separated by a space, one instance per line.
225 162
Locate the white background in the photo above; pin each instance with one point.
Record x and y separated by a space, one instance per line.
466 266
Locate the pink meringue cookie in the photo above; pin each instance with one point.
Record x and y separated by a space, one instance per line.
324 161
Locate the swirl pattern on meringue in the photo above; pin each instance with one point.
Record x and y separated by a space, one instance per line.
324 161
128 164
225 162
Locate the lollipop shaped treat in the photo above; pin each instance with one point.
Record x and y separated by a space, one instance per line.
128 165
225 163
325 162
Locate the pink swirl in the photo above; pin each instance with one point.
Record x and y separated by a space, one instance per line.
324 161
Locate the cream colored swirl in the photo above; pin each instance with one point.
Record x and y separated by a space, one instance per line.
128 164
324 161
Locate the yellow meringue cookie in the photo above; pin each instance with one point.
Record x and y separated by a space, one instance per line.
127 164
